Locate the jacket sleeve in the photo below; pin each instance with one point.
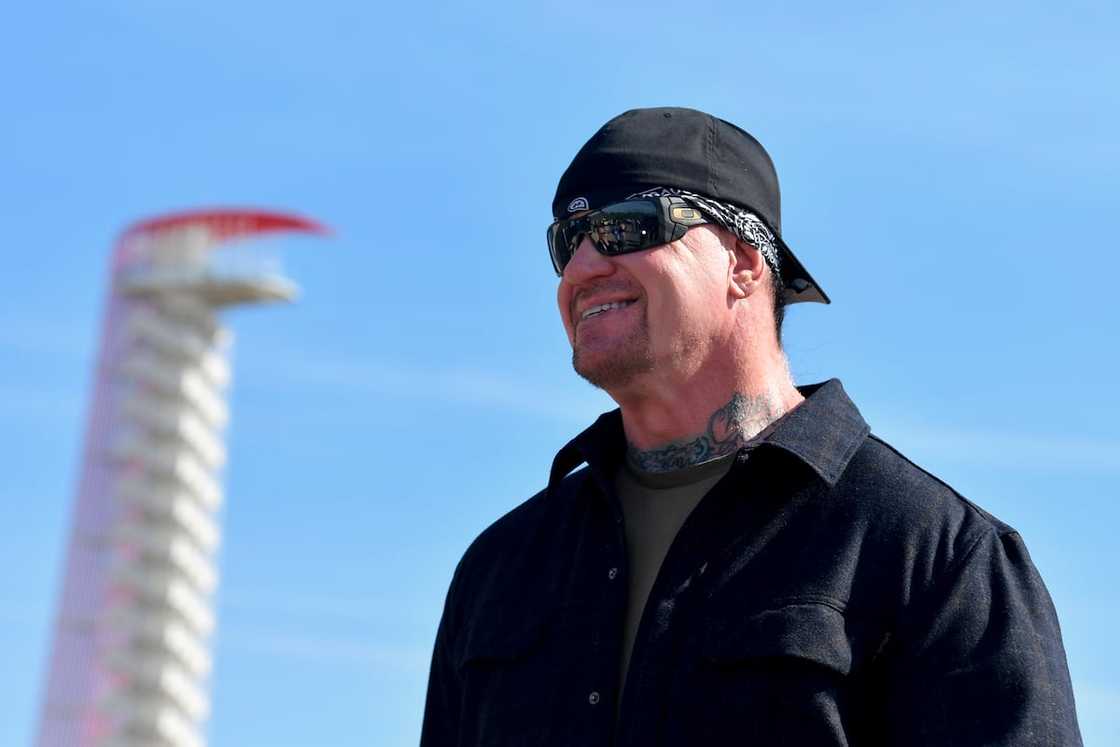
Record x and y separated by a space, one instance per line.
981 660
442 707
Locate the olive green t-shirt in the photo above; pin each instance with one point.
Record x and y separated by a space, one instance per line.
655 505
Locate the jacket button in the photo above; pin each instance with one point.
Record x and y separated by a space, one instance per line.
593 698
612 573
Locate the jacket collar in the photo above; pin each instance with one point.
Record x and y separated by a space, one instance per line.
823 432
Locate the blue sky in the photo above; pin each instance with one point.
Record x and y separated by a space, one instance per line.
949 175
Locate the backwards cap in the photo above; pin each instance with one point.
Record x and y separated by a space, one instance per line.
645 149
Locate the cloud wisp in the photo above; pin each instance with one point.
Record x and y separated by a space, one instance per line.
505 391
1053 452
578 406
330 650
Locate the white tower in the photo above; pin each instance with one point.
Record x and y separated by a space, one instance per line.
130 659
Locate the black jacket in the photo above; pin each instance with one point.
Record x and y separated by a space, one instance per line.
825 592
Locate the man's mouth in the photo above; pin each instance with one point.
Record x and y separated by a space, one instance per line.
602 308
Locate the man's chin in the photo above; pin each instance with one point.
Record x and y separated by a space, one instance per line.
611 372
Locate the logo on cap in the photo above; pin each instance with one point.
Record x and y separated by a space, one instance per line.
655 192
579 203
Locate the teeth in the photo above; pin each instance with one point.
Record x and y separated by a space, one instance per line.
604 307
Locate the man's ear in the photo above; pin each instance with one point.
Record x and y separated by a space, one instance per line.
746 267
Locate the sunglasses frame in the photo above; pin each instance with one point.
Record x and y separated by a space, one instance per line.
673 216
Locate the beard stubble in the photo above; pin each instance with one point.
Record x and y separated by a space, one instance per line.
618 367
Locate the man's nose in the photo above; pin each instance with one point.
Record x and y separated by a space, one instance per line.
586 263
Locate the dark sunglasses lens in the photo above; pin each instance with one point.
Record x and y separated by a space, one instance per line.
616 229
625 227
563 240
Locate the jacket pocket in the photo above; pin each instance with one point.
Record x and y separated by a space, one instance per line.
809 633
502 637
781 671
514 675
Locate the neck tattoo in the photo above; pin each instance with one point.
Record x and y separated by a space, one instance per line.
729 428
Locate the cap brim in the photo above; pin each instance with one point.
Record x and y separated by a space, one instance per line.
799 284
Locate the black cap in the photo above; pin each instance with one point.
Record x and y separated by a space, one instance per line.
684 149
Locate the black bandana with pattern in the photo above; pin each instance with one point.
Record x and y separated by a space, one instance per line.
745 225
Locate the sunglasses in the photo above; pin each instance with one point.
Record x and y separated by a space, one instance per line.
622 227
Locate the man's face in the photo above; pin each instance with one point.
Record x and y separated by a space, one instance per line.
665 307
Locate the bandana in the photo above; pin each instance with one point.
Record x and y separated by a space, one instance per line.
745 225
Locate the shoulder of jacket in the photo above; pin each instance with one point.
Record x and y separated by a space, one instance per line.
906 486
522 527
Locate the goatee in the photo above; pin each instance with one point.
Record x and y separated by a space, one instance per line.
618 368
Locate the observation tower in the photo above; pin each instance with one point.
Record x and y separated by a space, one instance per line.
131 655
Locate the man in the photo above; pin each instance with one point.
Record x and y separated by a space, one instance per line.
739 561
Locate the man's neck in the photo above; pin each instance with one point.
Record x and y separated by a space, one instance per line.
729 428
675 425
